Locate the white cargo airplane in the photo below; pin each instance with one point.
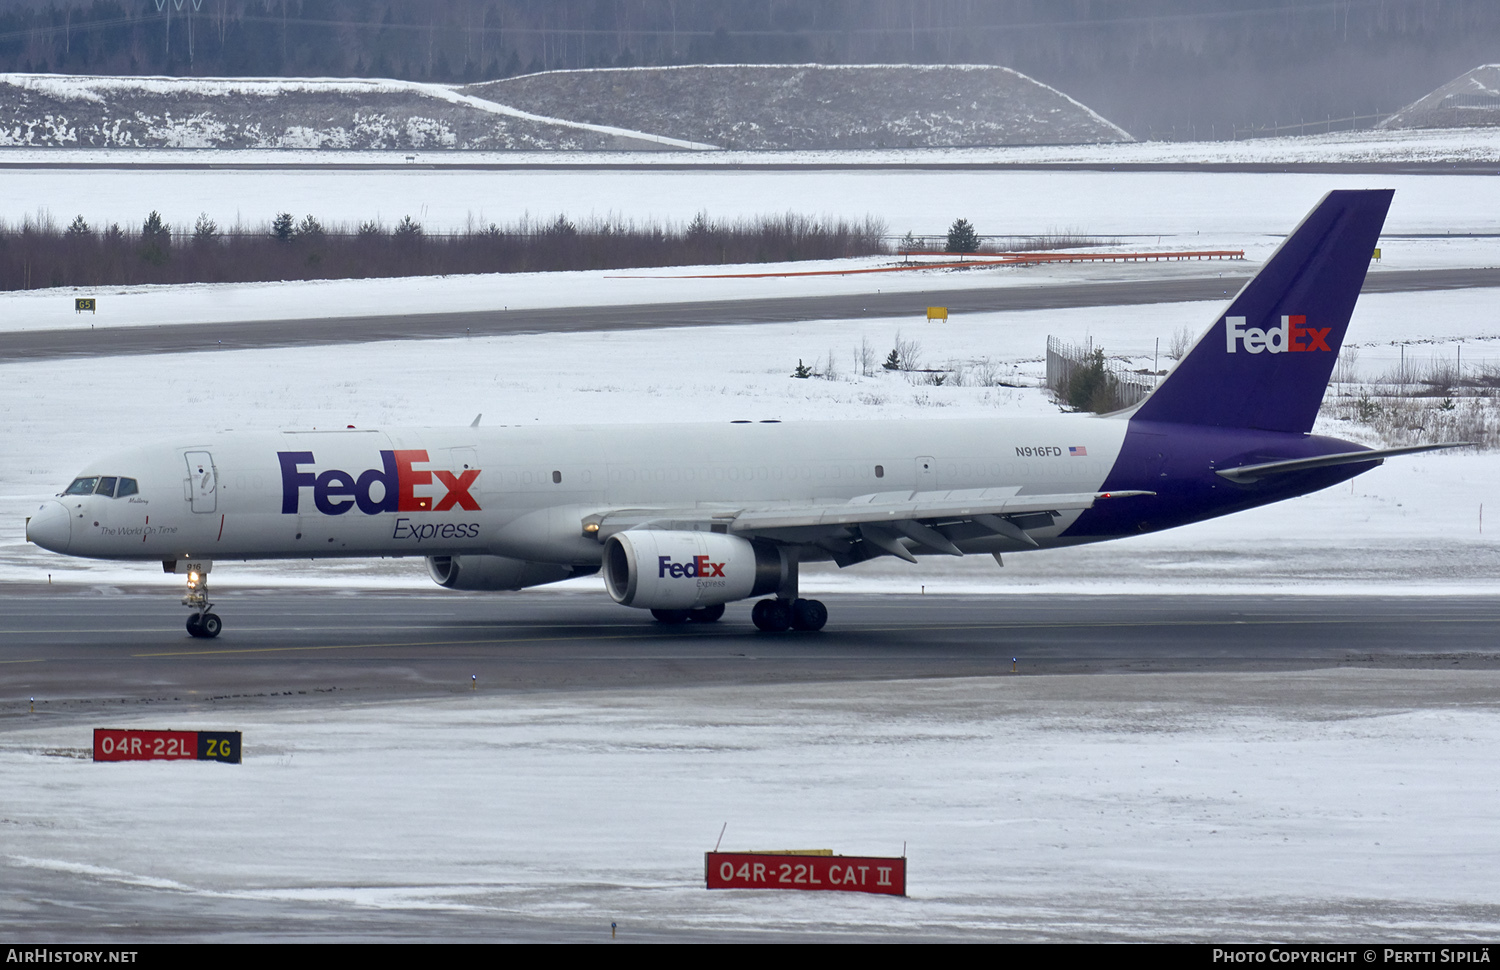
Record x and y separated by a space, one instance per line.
684 518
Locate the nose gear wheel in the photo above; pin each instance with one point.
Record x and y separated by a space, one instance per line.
203 624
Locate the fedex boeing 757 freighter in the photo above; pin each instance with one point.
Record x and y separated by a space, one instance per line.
684 518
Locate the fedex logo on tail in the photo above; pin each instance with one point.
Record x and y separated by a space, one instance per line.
335 491
1291 337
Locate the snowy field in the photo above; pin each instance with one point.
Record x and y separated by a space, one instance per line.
1138 205
1332 805
1435 146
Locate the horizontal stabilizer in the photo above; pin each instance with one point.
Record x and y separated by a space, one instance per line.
1245 474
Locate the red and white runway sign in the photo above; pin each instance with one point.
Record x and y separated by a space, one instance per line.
830 873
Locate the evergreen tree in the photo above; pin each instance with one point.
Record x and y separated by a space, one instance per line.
156 239
205 229
153 230
962 238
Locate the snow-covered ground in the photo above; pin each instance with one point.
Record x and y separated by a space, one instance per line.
1450 145
1332 805
1138 207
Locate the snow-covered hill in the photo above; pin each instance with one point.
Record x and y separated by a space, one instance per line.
815 106
1468 101
725 106
53 110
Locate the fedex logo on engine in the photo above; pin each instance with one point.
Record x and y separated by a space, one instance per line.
1291 337
335 492
698 567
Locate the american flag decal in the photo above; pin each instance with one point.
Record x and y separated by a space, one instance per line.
1077 451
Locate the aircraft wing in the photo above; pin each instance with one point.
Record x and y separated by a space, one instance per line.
881 519
916 506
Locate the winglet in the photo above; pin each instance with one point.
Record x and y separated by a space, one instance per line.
475 422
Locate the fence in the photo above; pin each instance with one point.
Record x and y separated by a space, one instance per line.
1084 378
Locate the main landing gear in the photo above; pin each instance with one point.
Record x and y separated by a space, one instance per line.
788 611
779 615
202 623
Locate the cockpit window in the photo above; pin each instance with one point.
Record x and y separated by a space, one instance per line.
126 487
106 487
82 486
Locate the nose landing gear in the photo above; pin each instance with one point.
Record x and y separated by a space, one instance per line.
202 623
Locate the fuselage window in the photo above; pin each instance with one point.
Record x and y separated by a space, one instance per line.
106 487
879 471
126 487
82 486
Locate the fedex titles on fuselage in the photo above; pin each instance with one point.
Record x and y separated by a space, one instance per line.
335 491
1291 337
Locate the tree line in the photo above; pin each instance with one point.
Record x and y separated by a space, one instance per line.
40 253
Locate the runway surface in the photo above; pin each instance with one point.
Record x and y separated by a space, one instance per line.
75 649
179 338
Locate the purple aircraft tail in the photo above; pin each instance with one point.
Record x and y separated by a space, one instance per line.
1266 361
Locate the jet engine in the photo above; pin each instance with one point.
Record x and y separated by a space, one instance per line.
660 570
498 572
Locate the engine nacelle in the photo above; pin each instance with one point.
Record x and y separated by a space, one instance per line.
498 572
659 570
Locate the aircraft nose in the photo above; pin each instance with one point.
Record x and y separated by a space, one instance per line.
50 527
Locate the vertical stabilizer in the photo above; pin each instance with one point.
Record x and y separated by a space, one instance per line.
1266 360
